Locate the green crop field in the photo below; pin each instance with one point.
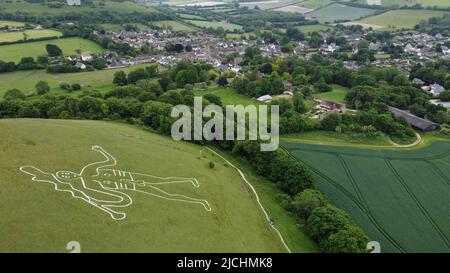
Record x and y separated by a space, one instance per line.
400 198
214 213
69 46
396 19
100 80
336 94
29 34
208 24
337 12
37 8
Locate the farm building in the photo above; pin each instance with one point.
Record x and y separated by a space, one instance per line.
415 121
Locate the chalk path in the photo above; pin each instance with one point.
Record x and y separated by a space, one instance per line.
257 198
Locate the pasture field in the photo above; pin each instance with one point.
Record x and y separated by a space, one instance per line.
308 29
432 3
69 46
400 198
270 4
228 96
174 25
389 3
293 9
314 4
190 16
336 94
37 8
29 34
337 12
11 24
100 80
37 217
396 19
208 24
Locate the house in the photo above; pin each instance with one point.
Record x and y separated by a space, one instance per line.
80 65
74 2
86 57
418 82
415 121
265 98
72 58
436 89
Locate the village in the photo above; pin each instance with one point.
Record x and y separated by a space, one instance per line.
168 47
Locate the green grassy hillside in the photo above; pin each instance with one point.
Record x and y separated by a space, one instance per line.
37 8
69 46
36 217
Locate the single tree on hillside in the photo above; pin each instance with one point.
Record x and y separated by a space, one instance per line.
42 87
120 78
53 50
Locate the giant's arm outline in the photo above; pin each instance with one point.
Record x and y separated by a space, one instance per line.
109 161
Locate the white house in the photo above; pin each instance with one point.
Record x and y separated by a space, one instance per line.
81 66
74 2
86 57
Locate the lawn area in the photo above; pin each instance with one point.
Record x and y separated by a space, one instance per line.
396 19
208 24
174 25
30 34
337 12
100 80
69 46
228 96
337 94
385 193
34 212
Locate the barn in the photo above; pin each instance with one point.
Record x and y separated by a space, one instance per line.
415 121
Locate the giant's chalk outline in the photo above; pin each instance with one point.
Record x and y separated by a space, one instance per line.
106 205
